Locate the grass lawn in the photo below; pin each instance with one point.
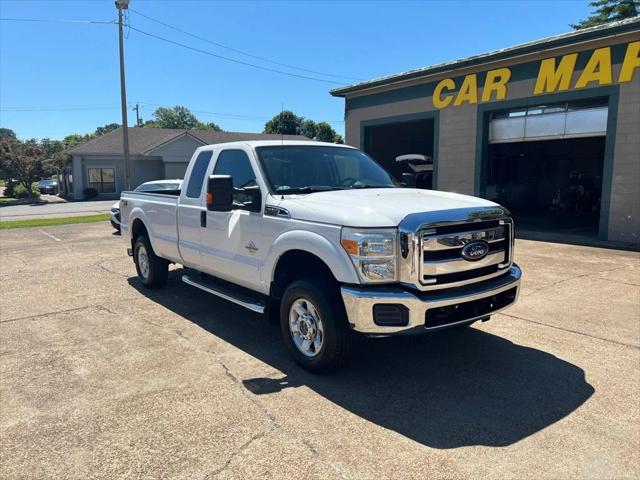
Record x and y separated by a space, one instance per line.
7 199
49 222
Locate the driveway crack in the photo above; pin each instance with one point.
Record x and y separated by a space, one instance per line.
339 472
582 275
57 312
238 451
571 331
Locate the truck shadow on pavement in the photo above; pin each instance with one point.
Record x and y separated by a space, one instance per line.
446 390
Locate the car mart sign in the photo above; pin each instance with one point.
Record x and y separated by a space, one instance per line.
553 76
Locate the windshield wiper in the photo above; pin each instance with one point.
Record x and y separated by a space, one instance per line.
308 189
368 185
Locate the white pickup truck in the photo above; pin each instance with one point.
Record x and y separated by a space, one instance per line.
322 239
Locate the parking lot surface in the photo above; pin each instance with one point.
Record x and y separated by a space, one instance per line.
101 378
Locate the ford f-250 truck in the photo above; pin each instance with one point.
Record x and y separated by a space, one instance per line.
321 239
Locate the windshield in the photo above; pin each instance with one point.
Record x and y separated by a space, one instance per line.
305 169
156 187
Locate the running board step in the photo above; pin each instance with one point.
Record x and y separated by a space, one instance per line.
238 295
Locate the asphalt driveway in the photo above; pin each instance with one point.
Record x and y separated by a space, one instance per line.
100 378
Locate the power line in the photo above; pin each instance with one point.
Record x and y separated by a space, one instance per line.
206 52
230 116
241 51
53 20
142 106
58 108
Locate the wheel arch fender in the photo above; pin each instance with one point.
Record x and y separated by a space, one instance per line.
333 256
138 219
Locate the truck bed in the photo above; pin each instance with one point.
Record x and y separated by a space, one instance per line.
159 212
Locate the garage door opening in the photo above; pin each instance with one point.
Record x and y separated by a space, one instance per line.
545 164
553 185
412 141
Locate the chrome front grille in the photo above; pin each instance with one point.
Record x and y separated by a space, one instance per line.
441 264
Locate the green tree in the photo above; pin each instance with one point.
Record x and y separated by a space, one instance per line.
7 133
285 123
25 161
52 147
326 133
288 123
109 127
213 127
309 128
179 117
74 139
609 11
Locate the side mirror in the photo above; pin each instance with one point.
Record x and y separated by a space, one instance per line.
220 193
253 201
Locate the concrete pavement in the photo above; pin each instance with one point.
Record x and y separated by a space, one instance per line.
102 378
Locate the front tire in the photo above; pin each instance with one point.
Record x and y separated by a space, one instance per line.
152 270
314 325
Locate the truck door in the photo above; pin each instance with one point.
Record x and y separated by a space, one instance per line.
232 246
191 211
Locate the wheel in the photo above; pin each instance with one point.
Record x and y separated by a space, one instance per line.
314 325
152 270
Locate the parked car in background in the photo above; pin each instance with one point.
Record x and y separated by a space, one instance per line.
162 186
47 185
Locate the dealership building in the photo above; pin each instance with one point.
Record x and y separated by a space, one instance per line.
550 129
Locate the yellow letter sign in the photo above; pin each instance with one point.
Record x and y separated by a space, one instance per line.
598 69
550 77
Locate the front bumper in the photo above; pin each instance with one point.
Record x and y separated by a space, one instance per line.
114 217
467 304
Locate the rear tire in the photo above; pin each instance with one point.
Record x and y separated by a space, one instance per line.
152 270
314 325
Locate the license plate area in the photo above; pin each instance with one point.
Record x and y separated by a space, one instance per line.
450 314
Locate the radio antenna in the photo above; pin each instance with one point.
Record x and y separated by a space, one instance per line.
281 137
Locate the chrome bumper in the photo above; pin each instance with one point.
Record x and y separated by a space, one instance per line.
359 303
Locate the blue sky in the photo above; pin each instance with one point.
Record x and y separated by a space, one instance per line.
64 77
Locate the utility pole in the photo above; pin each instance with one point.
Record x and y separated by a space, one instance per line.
137 109
124 5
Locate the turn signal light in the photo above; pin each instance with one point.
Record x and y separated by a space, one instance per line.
351 246
209 198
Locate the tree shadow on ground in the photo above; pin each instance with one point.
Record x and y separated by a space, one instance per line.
446 390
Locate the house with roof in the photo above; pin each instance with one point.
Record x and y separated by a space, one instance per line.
155 153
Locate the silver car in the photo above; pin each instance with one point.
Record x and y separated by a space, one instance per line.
153 186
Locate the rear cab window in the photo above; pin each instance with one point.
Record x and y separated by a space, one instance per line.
198 172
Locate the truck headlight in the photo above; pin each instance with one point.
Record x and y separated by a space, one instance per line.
373 253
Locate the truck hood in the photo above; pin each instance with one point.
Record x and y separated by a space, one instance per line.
376 207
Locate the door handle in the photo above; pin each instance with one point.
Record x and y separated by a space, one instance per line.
203 218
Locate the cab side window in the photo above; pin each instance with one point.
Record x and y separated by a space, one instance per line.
196 180
237 164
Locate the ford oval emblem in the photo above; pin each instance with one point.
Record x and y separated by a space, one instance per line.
476 250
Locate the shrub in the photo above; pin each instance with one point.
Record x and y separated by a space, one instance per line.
90 193
20 191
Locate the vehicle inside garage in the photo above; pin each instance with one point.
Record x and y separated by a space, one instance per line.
413 141
545 164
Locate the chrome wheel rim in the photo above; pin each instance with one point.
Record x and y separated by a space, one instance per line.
305 325
143 262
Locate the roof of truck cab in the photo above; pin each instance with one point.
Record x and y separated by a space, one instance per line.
277 143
